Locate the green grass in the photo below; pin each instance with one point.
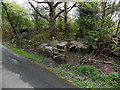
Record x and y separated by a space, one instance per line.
87 70
93 78
26 54
59 71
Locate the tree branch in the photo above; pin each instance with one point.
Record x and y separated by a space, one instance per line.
113 9
59 13
46 8
57 4
45 1
38 11
39 1
72 7
106 62
64 10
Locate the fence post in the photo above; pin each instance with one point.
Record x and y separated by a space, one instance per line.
65 53
53 38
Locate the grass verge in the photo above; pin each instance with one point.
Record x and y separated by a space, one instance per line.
85 76
26 54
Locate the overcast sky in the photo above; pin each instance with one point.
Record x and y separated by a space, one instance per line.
23 2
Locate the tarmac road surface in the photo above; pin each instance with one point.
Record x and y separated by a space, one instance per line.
17 72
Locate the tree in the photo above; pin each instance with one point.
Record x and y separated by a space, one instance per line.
108 10
95 21
17 17
66 15
11 23
52 14
86 18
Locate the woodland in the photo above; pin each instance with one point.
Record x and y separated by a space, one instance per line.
80 39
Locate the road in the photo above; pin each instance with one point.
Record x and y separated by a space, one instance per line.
0 66
18 72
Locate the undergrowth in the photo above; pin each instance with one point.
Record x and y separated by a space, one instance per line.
87 76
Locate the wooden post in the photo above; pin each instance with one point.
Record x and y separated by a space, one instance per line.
65 53
53 38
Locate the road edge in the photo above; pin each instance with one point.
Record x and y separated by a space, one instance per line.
40 66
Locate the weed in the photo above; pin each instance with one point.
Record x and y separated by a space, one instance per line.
76 69
112 79
106 86
86 70
67 65
79 83
96 77
59 71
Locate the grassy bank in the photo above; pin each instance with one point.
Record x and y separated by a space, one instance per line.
26 54
85 76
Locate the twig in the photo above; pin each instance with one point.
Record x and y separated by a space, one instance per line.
102 61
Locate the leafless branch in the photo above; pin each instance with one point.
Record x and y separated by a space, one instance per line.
59 13
38 1
70 8
57 4
113 8
47 8
38 11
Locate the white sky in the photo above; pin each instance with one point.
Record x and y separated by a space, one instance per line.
23 2
20 2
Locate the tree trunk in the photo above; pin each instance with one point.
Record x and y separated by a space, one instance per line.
52 22
36 20
13 28
79 34
60 24
65 20
117 28
103 13
65 16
